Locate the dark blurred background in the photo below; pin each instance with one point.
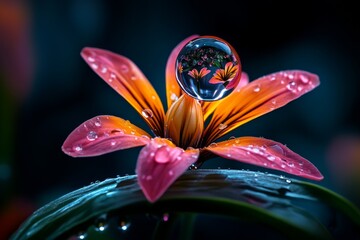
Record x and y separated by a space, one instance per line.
47 90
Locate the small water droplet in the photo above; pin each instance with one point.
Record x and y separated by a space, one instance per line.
173 97
78 148
304 78
113 143
213 145
291 86
148 177
147 113
271 158
91 136
91 59
222 126
165 217
171 173
124 68
193 167
124 224
291 164
100 223
82 235
288 180
283 165
291 76
153 97
98 122
103 70
256 88
94 66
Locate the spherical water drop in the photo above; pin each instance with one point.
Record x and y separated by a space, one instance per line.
165 217
98 122
147 113
91 136
208 68
100 223
222 126
82 235
291 86
256 88
124 224
78 148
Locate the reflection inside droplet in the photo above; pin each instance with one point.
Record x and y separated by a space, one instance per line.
208 68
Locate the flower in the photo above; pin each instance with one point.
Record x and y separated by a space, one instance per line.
181 139
199 75
225 75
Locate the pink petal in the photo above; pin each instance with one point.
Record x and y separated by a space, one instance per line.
265 153
103 134
159 164
215 81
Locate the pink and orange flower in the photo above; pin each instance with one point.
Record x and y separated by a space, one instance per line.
181 139
225 76
199 75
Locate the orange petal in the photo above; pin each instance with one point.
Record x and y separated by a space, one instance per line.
185 122
257 98
128 80
173 90
209 107
265 153
103 134
159 164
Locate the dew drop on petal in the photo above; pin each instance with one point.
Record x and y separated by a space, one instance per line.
147 113
173 97
162 155
91 136
222 126
171 173
208 68
271 158
98 122
78 148
256 88
291 86
91 59
304 78
288 181
213 145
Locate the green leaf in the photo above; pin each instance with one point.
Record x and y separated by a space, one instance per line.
200 203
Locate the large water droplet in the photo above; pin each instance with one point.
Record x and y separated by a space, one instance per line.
147 113
91 136
162 155
208 68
